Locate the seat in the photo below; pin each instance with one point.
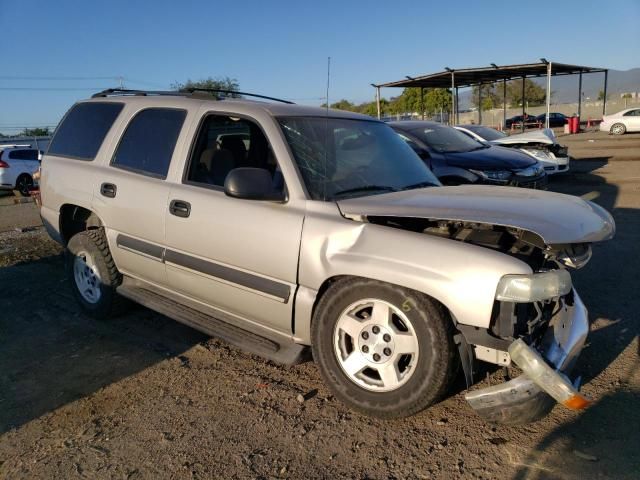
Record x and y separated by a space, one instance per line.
222 162
235 145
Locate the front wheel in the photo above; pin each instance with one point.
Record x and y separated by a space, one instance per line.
384 350
618 129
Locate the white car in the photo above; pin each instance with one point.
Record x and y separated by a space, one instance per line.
18 163
540 144
622 122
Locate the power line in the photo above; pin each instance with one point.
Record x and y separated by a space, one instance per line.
70 89
19 77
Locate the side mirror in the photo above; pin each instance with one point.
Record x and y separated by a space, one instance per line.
251 184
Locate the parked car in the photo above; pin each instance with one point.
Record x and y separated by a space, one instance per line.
555 119
327 233
622 122
540 144
457 159
18 163
529 121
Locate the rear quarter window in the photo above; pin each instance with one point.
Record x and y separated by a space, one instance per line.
148 142
83 130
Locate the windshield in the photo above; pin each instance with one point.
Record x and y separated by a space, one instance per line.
445 139
488 133
341 158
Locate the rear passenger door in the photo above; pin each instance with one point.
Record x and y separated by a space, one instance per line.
131 196
632 120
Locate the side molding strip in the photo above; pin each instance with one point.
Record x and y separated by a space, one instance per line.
232 275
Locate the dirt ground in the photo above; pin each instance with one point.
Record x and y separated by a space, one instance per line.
143 397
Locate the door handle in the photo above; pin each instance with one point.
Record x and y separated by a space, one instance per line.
108 190
180 208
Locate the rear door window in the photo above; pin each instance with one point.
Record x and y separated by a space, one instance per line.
149 140
29 154
83 130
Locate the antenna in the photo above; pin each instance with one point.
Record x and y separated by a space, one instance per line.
328 79
326 132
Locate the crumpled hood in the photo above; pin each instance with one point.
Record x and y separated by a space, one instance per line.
555 217
545 136
492 158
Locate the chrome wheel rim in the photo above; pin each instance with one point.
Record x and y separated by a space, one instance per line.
87 277
376 345
617 129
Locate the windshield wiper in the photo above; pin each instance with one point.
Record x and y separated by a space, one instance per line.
366 188
420 185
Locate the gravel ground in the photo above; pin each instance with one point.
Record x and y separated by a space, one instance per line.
142 397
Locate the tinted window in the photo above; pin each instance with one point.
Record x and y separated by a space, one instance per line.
225 143
83 130
632 113
149 140
24 154
445 139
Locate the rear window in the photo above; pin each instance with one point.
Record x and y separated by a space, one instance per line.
148 143
83 130
30 154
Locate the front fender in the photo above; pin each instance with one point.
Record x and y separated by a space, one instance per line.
461 276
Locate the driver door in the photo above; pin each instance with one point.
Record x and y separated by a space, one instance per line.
238 256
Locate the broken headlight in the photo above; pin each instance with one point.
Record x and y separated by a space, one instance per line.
576 255
538 154
534 287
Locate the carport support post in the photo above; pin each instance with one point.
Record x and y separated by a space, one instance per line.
422 102
579 95
457 108
546 117
604 100
523 112
378 101
453 97
504 103
480 104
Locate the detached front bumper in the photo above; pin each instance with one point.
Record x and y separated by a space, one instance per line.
523 400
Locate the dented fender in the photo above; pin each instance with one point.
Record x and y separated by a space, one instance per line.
461 276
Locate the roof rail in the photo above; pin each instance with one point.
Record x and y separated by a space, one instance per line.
233 92
187 92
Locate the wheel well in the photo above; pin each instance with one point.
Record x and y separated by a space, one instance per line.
331 280
23 174
75 219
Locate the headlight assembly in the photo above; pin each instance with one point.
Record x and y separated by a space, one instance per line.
534 287
495 175
537 153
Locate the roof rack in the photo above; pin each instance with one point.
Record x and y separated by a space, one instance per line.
187 92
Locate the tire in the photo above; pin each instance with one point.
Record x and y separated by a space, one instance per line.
93 274
618 129
24 183
416 380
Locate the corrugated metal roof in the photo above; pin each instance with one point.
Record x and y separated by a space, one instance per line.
467 77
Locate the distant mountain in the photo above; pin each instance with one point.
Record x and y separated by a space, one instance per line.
565 87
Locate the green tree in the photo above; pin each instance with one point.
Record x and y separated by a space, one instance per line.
534 94
214 83
601 95
344 105
437 99
490 97
36 132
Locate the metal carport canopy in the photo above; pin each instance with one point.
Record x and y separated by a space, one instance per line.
468 77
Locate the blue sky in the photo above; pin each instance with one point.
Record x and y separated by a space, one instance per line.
280 48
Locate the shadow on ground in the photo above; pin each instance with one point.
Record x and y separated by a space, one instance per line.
52 354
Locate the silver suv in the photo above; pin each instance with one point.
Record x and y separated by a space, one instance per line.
279 227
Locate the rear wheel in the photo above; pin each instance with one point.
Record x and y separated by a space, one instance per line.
384 350
618 129
24 184
93 274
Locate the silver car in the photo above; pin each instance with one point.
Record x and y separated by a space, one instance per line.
285 229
